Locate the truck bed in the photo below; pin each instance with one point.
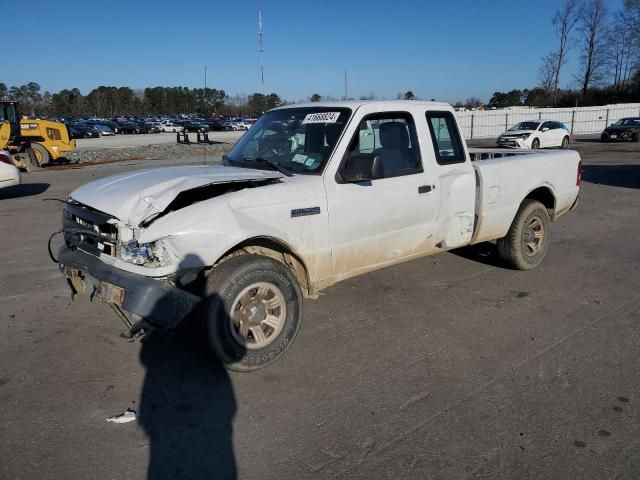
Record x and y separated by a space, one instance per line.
503 175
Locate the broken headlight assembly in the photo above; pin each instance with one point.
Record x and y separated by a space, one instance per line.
154 254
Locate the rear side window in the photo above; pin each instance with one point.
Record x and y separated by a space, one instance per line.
446 138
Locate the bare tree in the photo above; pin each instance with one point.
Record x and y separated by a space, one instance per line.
547 74
593 56
632 14
564 22
623 55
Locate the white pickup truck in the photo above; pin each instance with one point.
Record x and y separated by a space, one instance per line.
311 195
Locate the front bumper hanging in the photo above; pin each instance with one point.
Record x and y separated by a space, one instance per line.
154 300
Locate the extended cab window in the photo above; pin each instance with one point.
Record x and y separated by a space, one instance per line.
445 137
392 136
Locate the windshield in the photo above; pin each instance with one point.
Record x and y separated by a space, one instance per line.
525 126
628 121
299 140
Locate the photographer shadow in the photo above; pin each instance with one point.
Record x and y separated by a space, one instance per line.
187 405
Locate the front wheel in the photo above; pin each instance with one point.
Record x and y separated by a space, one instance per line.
636 137
565 143
253 311
527 241
535 145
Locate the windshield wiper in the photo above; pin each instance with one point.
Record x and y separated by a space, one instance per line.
272 164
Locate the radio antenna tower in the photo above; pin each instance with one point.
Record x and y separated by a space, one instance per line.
261 49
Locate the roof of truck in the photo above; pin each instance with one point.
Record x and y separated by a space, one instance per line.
353 104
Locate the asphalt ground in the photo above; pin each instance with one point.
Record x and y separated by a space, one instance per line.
447 367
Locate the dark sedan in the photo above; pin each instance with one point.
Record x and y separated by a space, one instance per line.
190 126
623 129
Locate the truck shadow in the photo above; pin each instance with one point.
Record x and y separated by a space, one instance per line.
187 406
485 253
626 176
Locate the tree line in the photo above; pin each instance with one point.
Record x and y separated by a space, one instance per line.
107 101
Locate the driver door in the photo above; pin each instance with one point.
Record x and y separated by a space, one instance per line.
380 221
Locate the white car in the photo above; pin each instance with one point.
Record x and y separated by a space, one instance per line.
171 127
104 131
242 125
535 134
9 173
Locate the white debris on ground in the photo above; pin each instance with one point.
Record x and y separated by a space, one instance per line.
126 417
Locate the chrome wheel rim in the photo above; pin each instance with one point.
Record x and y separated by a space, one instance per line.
258 315
533 236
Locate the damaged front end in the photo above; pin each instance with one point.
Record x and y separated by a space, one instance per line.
91 238
103 254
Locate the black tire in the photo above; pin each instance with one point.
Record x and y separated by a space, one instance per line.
535 145
42 155
636 137
30 160
515 248
604 138
226 284
565 143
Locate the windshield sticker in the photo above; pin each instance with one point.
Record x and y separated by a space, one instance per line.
324 117
300 158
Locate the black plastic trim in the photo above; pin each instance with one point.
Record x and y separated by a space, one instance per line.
155 300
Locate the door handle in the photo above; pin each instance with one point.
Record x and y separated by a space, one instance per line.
425 188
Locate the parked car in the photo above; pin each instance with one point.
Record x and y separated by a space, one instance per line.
215 125
128 127
623 129
227 126
310 196
171 127
9 173
103 130
243 125
535 134
191 126
82 130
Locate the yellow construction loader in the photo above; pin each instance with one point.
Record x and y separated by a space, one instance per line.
32 143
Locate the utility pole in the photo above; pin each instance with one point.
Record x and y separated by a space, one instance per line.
346 86
261 50
204 93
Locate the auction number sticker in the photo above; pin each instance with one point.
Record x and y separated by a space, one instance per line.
322 117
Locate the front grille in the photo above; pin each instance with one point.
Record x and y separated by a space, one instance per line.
87 229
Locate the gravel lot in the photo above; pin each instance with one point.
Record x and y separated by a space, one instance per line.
156 146
446 367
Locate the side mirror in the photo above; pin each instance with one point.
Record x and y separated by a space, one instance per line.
545 129
362 168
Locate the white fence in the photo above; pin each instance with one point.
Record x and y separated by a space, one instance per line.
491 123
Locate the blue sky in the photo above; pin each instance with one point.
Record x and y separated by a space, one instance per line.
447 50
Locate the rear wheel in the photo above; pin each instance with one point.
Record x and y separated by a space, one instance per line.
565 143
527 241
535 145
42 154
253 311
636 137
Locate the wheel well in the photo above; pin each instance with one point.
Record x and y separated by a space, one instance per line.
545 197
279 251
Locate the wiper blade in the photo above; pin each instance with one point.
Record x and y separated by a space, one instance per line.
272 164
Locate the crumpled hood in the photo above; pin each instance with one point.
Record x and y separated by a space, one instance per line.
136 196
